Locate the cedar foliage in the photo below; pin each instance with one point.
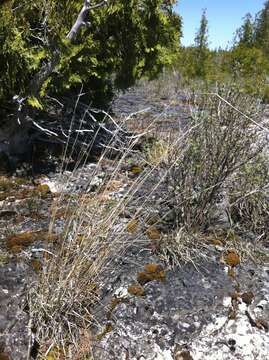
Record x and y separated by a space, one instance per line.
121 42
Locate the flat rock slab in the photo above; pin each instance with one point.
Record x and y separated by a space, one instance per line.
186 312
13 318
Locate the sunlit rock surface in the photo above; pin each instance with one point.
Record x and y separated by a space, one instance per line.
189 311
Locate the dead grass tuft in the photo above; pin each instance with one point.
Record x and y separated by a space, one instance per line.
72 279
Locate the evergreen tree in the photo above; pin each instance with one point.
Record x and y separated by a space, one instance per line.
201 39
202 52
261 33
120 42
245 34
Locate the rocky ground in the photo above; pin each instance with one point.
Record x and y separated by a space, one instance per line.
215 308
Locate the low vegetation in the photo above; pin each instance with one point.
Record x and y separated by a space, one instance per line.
215 166
175 191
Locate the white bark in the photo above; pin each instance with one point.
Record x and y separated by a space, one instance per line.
48 69
81 19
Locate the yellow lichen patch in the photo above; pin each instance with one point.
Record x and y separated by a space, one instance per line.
152 272
106 330
136 169
132 226
247 297
136 290
231 273
36 265
55 354
153 268
19 242
231 258
43 189
153 233
152 219
50 356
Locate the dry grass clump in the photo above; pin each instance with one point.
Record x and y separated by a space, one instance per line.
71 281
61 301
181 246
95 235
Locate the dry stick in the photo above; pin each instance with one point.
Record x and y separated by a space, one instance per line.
46 131
30 335
239 111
